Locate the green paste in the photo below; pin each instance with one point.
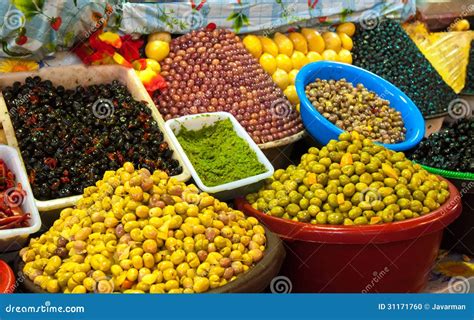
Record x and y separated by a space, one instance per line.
218 154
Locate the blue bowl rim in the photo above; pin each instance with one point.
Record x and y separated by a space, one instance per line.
305 103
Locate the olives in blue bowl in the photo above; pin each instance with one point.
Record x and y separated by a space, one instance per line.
324 130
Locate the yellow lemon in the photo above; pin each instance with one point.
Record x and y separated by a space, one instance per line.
268 63
332 41
153 64
292 75
347 28
345 56
269 46
284 62
280 77
157 50
299 59
290 93
329 55
314 39
346 41
461 25
253 45
299 42
163 36
285 46
314 56
145 75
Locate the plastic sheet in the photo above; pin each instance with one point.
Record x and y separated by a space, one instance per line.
448 52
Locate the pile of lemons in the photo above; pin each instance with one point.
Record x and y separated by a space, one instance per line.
284 55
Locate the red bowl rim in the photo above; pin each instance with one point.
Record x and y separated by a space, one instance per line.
380 233
7 278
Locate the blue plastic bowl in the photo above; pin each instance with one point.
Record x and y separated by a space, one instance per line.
323 130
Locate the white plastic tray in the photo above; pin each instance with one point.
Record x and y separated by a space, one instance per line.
70 77
13 239
228 190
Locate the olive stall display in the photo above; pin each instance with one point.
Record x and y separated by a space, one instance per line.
448 149
352 181
137 232
354 108
69 137
388 51
210 70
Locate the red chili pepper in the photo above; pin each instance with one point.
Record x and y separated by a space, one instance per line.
31 120
13 222
64 179
120 157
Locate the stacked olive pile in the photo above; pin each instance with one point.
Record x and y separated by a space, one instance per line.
209 71
469 84
356 109
69 138
390 53
351 181
138 232
449 149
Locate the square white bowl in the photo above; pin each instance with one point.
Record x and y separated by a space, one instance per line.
13 239
228 190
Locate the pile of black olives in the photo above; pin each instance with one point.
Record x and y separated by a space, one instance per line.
388 51
449 149
69 138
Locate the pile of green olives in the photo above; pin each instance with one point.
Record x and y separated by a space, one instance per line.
138 232
352 181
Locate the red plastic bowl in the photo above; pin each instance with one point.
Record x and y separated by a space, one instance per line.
394 257
7 278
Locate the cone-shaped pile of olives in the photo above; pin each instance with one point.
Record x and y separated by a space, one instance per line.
450 148
469 84
210 70
352 182
69 138
136 232
388 51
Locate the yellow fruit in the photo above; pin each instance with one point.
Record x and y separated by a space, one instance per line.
145 75
284 62
314 39
292 75
268 63
157 50
298 107
290 93
346 41
269 46
153 65
280 77
162 36
461 25
253 45
345 56
314 56
347 28
285 46
299 42
299 59
329 55
332 41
